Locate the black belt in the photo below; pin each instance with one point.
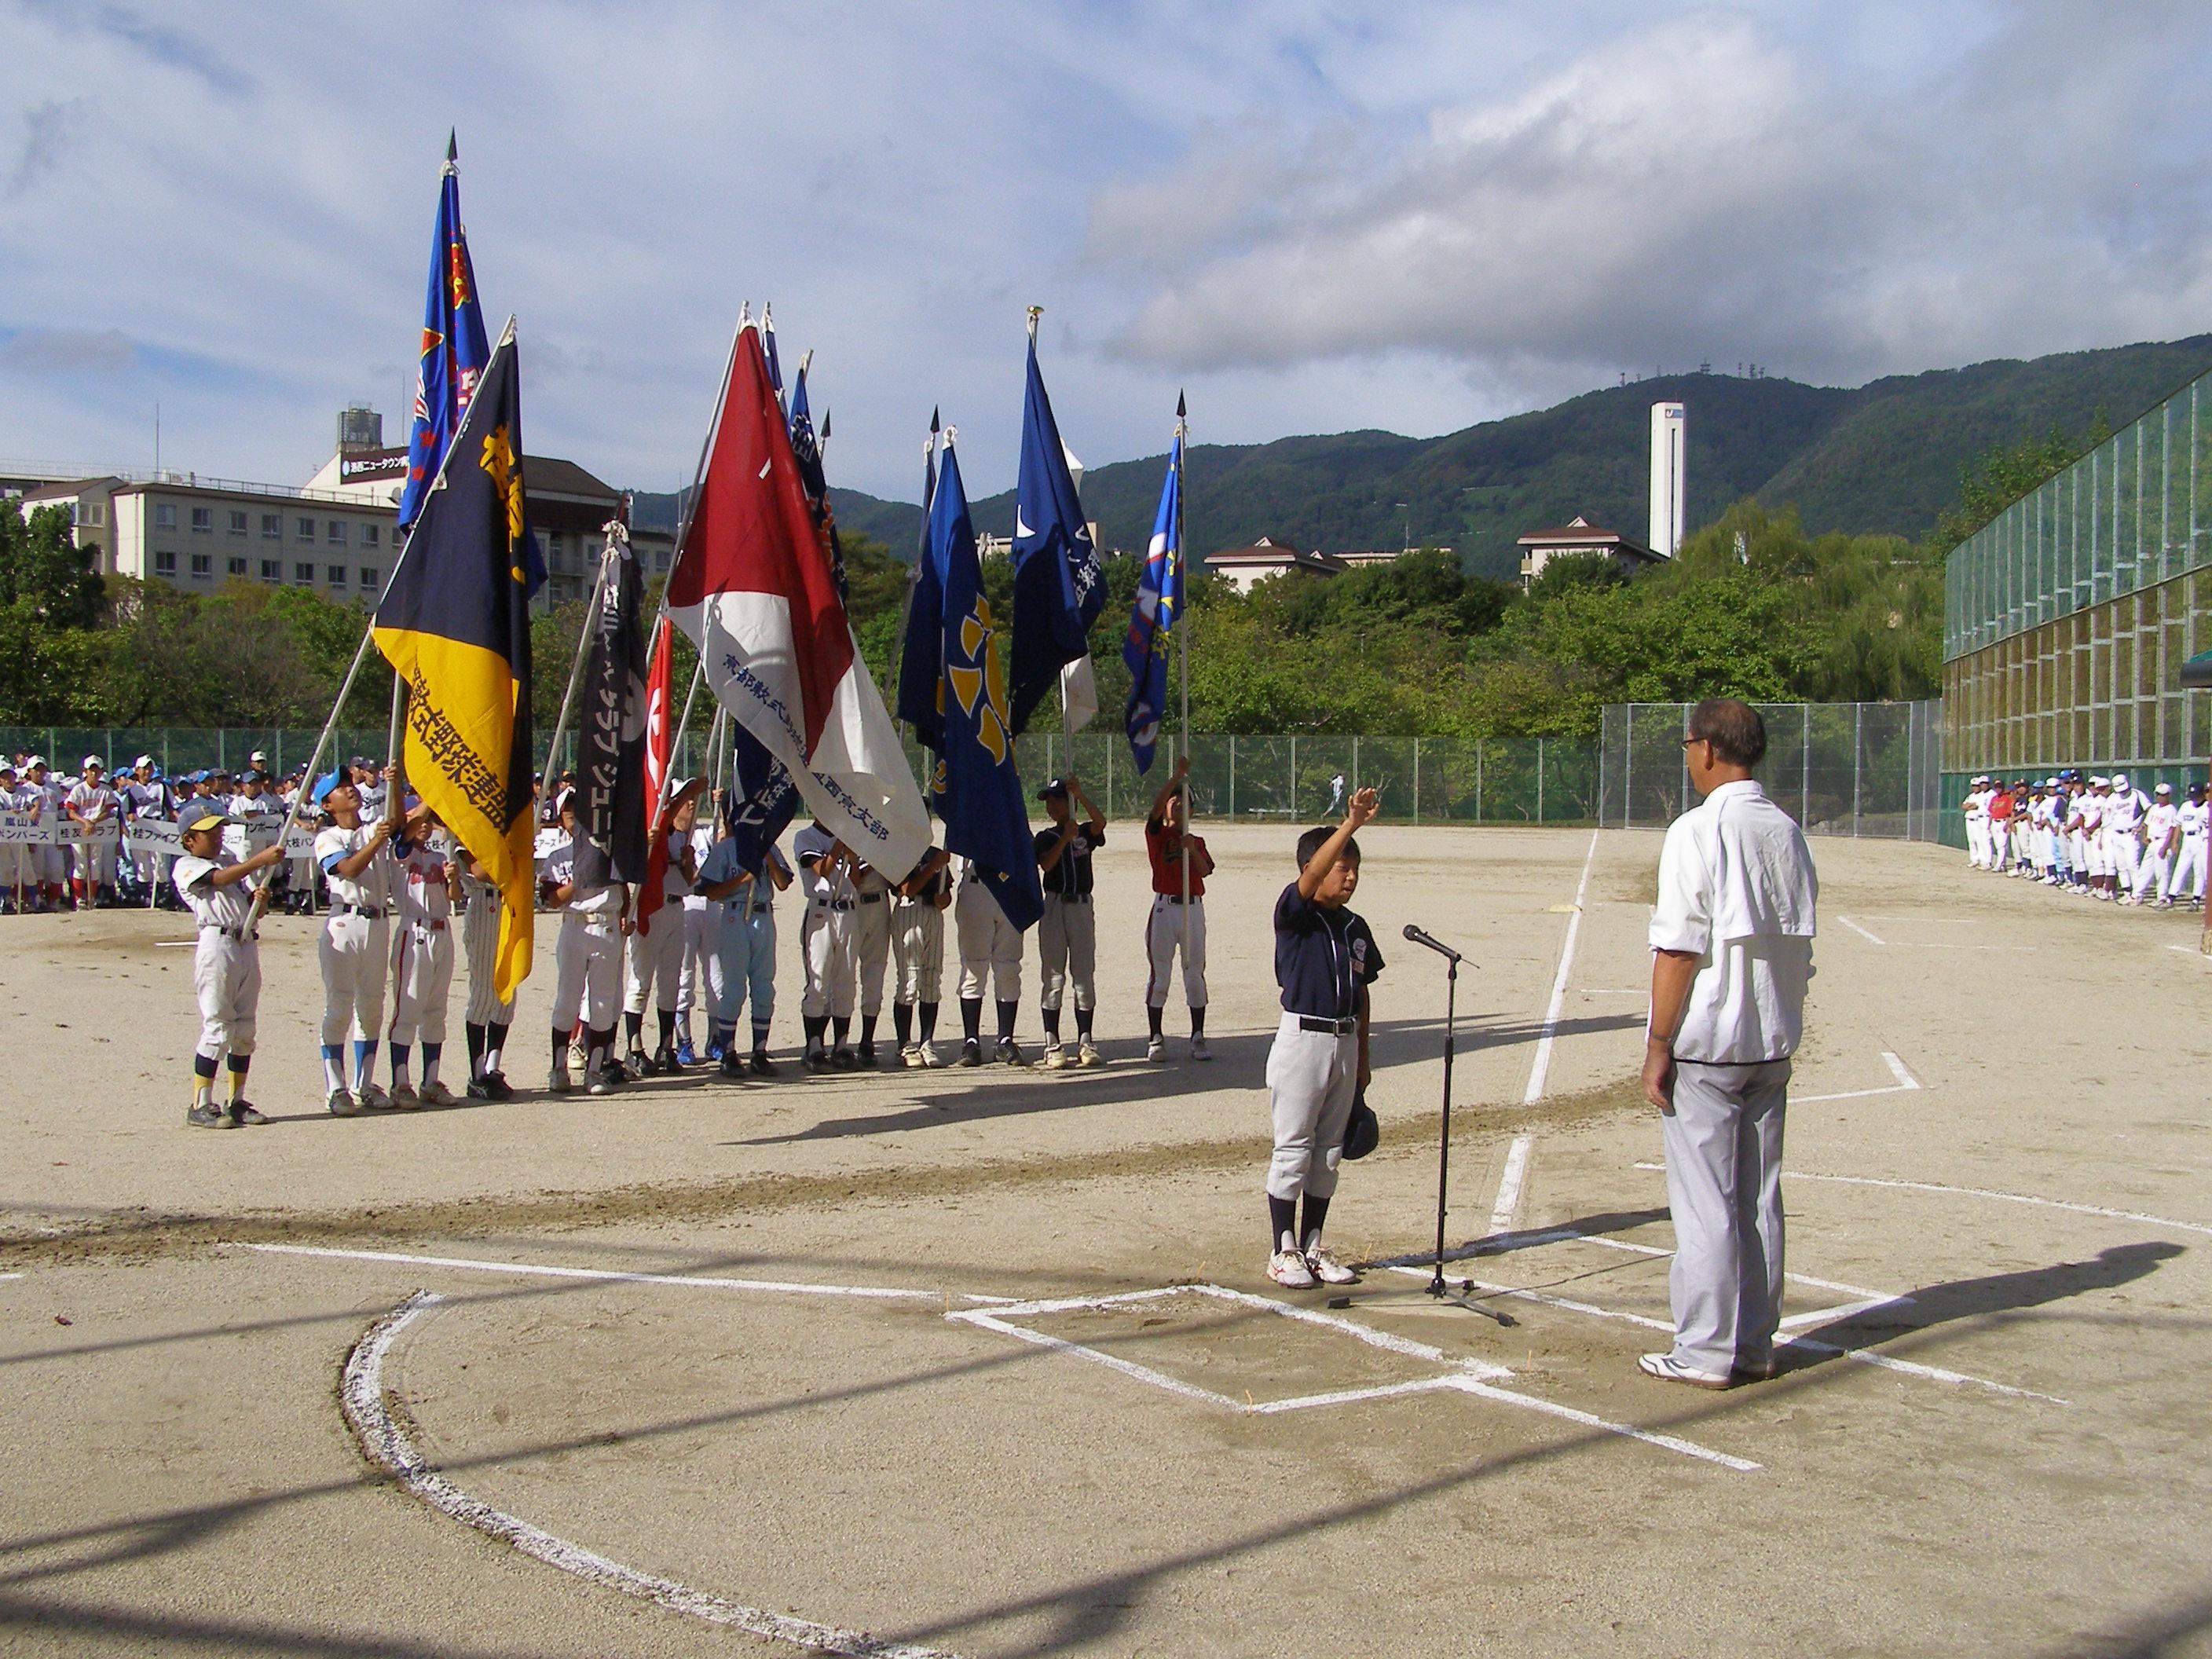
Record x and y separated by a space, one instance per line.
238 934
1071 898
1332 1027
832 904
1177 898
872 898
371 911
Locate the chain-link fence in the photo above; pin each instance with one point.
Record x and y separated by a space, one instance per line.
1847 768
1292 779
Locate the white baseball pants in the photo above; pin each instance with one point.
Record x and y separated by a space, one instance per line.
1173 926
422 982
656 962
1312 1078
917 952
1068 951
480 937
226 977
586 972
825 942
990 945
871 945
355 954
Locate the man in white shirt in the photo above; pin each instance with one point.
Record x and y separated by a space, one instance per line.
1976 806
2189 870
655 964
2123 820
1732 954
2161 839
95 813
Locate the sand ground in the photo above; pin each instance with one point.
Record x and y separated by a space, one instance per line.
985 1362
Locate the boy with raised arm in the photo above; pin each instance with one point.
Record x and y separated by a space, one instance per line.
1325 959
1178 918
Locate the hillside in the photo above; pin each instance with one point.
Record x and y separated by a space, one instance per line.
1883 458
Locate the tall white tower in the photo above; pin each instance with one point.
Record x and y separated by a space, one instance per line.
1668 438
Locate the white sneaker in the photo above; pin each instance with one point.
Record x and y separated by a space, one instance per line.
1056 1058
403 1097
579 1059
372 1097
1156 1050
1089 1054
931 1059
437 1094
1325 1268
557 1082
910 1056
1197 1048
341 1105
601 1084
1288 1268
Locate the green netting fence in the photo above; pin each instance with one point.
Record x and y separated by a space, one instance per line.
1290 779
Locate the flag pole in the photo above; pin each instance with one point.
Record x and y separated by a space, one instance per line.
360 654
1183 646
698 673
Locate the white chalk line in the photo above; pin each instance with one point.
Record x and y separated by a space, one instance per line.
1563 1234
1862 1356
387 1443
1467 1375
1904 1085
1540 1068
1509 1183
2190 951
687 1281
2007 1198
1870 937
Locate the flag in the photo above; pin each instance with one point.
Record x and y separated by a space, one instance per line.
1152 621
454 623
986 814
1058 588
657 737
808 454
754 589
768 343
611 814
921 653
761 804
453 352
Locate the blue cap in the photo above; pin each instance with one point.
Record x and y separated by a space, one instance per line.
324 785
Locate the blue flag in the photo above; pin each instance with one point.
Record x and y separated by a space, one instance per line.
921 651
760 804
1058 590
986 815
454 349
1152 621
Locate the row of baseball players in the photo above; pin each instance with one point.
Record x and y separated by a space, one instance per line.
397 882
2092 835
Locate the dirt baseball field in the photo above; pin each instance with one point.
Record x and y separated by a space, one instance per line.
986 1361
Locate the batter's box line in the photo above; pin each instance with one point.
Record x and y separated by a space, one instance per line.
1478 1378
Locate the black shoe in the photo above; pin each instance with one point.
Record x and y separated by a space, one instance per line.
971 1053
244 1111
636 1065
814 1059
1009 1052
844 1059
208 1117
478 1089
868 1055
763 1066
663 1061
732 1065
495 1084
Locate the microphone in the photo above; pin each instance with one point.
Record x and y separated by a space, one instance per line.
1434 944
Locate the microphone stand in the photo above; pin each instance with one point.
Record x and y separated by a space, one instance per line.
1443 1140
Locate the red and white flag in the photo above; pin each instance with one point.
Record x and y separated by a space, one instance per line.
752 588
659 738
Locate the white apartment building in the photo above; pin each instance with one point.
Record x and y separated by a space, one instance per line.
196 534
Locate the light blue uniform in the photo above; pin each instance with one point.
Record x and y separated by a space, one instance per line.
745 943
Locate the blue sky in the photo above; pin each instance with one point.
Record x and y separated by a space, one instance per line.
1315 215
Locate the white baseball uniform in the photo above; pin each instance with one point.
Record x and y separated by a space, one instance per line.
354 949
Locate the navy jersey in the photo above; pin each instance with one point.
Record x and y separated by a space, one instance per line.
1071 875
1322 956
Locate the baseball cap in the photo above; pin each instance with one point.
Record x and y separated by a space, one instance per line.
142 760
2120 779
2163 789
90 761
677 786
204 821
258 757
35 760
1057 786
324 785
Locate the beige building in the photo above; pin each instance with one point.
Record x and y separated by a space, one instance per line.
1576 538
1246 567
197 533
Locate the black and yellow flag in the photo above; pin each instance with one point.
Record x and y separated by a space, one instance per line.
454 624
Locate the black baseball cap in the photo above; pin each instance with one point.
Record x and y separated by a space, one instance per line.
1057 786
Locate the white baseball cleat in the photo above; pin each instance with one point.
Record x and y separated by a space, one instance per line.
1288 1268
437 1094
1325 1266
1056 1058
403 1097
930 1058
372 1097
1089 1054
1197 1048
557 1082
1157 1050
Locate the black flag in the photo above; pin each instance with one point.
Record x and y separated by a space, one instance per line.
611 805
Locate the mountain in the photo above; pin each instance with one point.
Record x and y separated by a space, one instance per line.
1883 458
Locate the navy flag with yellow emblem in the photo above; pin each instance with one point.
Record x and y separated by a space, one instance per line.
454 624
986 814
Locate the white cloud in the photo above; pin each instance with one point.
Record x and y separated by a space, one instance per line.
1315 215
